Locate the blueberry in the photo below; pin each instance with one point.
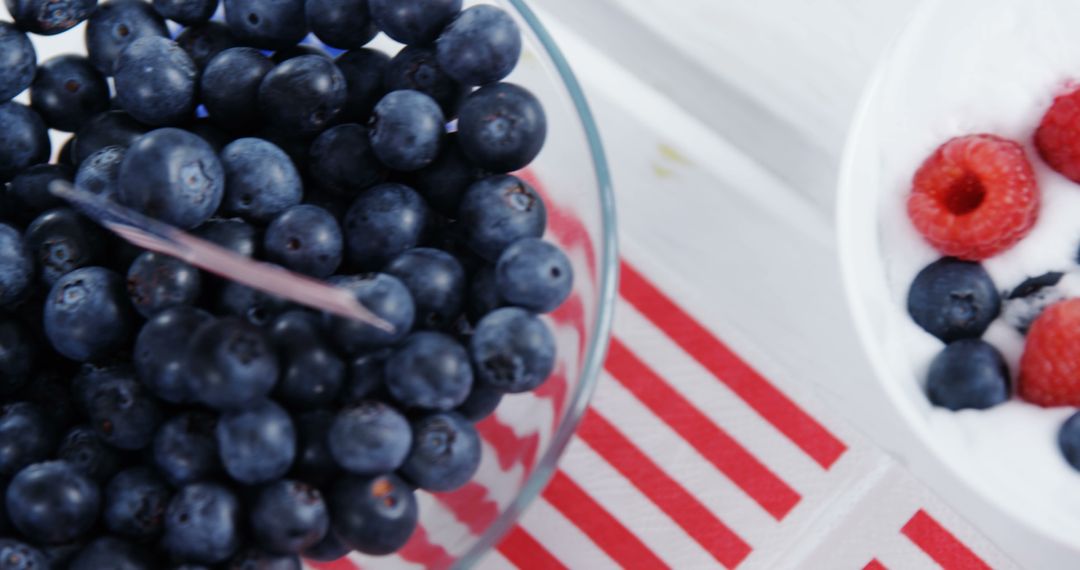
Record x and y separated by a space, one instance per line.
230 364
24 140
365 376
385 296
122 411
232 234
534 274
87 314
114 554
254 559
417 68
311 374
258 444
186 12
303 95
343 24
445 453
363 70
285 54
62 241
204 41
314 464
306 239
88 454
481 403
116 24
406 130
953 299
155 81
260 179
16 266
444 182
18 61
482 45
157 282
267 24
67 91
18 356
161 349
369 438
414 21
513 350
289 516
430 371
49 17
483 294
100 172
1069 440
202 524
252 305
52 503
230 87
135 503
375 515
172 175
328 549
15 555
383 222
343 162
111 128
499 210
436 281
29 194
502 127
968 374
185 448
25 437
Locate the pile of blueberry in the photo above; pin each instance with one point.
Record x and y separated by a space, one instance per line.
157 417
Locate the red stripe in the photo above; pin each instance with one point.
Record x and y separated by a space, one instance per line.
712 534
510 448
940 544
421 550
874 565
339 564
472 506
719 448
520 548
755 390
604 530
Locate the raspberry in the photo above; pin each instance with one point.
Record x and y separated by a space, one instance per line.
1058 136
975 197
1050 366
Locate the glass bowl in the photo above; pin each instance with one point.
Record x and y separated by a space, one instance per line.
525 437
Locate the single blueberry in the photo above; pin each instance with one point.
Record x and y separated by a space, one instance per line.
968 374
256 445
430 371
204 41
267 24
306 239
122 411
230 364
445 453
343 24
502 127
481 403
303 94
229 87
112 553
24 139
16 266
1069 440
482 45
28 193
311 372
384 295
436 281
343 162
67 91
406 129
417 68
161 350
255 559
18 356
62 241
135 503
369 438
49 17
314 464
232 234
289 517
513 350
52 503
186 12
174 176
364 70
534 274
18 61
374 515
155 81
185 448
88 454
383 222
953 299
157 282
87 314
111 128
365 376
100 172
15 555
499 210
260 179
202 524
116 24
25 437
444 182
414 22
